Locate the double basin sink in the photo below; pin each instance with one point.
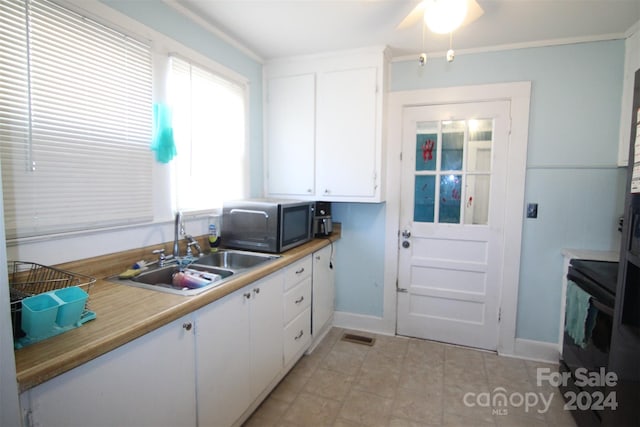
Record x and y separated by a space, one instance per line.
222 265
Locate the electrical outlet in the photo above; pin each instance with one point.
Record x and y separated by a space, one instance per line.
532 210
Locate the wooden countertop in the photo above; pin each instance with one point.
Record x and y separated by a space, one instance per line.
125 313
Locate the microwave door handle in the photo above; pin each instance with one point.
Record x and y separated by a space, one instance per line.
249 211
600 306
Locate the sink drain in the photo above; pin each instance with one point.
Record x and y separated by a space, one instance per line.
358 339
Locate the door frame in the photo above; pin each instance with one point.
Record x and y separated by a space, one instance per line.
519 94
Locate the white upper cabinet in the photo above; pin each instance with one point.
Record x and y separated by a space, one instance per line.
290 110
346 135
324 122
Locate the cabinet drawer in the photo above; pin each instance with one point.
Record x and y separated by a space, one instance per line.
297 272
297 299
297 335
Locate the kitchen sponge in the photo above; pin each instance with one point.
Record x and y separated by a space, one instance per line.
128 274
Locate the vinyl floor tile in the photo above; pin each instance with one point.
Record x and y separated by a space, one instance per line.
406 382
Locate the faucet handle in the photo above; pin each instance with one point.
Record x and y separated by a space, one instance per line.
191 241
161 258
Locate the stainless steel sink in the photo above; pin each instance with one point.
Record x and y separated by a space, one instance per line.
226 263
234 260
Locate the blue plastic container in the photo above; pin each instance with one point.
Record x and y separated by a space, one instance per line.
39 315
73 301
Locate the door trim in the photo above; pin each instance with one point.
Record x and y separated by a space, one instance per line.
519 94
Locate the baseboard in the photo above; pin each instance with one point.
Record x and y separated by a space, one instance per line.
362 322
541 351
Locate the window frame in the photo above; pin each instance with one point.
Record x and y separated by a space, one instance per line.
163 193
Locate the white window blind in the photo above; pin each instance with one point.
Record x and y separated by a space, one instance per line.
75 122
209 120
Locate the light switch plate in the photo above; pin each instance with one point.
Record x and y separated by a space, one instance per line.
532 210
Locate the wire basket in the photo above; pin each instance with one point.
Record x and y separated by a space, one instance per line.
28 278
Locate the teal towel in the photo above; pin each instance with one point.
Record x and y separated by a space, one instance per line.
577 311
163 143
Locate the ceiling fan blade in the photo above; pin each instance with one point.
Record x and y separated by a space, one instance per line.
474 11
413 17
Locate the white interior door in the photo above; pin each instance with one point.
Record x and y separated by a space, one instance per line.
452 222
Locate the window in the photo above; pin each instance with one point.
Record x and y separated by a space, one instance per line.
209 123
75 122
453 171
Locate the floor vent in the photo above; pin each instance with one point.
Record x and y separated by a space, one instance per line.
358 339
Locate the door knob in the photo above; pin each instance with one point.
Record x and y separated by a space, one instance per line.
406 244
406 234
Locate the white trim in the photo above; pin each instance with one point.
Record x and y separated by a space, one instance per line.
516 46
541 351
9 406
519 94
565 166
213 30
362 322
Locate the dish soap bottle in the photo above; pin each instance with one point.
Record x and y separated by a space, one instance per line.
214 237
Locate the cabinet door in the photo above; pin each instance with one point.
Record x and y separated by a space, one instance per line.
147 382
323 289
346 134
290 135
222 354
266 331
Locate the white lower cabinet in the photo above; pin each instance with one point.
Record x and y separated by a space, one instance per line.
265 332
324 283
222 358
147 382
297 309
207 369
238 350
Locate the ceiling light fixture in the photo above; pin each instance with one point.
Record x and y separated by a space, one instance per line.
444 16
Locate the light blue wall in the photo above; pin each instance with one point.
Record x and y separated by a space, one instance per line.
572 153
571 173
162 18
360 257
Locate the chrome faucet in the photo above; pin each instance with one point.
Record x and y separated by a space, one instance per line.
177 231
191 241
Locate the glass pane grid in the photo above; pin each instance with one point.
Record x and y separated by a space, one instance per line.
453 171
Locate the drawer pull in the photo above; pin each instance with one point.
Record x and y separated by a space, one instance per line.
187 326
300 271
247 295
299 300
256 291
300 334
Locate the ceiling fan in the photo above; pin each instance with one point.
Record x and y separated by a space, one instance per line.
427 10
442 17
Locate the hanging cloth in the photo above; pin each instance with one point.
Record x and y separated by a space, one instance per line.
163 143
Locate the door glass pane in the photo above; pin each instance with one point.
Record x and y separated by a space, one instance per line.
450 195
426 146
424 198
452 144
476 207
479 152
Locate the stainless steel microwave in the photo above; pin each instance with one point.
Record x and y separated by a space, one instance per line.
266 225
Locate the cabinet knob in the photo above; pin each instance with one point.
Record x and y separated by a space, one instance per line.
256 291
326 191
187 326
247 295
309 190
